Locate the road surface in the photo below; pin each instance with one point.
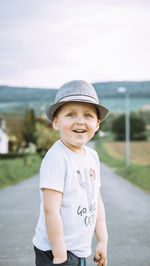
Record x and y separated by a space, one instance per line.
127 213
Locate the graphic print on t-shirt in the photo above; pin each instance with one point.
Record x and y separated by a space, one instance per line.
87 182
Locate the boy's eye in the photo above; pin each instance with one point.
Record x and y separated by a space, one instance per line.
88 115
71 114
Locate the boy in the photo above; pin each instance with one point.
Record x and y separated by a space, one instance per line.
71 206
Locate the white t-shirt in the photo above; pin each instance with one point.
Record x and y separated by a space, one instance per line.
78 178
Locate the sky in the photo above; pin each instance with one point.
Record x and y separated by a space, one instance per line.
44 43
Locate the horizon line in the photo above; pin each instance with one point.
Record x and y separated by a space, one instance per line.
95 82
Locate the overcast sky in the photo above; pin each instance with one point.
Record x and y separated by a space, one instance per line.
44 43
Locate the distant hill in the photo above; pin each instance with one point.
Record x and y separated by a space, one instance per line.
104 90
14 94
17 99
135 89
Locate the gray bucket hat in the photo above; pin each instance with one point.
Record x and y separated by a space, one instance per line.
76 91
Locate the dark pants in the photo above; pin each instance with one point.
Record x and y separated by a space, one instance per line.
45 258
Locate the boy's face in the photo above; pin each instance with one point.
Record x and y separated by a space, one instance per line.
77 123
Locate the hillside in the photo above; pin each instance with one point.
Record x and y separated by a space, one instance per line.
135 89
15 94
104 90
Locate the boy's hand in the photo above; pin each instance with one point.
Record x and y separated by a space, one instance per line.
59 260
100 255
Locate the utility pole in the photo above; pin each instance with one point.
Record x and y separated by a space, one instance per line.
127 124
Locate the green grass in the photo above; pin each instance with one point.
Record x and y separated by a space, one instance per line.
137 174
14 170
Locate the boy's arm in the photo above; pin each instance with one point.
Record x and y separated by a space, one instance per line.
101 235
54 225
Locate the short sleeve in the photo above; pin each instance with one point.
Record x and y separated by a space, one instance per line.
99 179
53 171
98 167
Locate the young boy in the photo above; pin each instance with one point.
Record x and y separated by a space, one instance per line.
71 206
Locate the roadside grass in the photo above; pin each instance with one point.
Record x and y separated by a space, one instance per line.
136 173
14 170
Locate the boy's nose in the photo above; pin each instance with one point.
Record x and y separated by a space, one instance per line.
80 121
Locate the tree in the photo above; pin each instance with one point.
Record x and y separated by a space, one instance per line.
145 114
14 128
137 127
29 126
106 125
45 135
22 127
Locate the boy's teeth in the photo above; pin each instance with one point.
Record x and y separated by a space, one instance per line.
78 130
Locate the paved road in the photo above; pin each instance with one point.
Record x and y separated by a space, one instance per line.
128 219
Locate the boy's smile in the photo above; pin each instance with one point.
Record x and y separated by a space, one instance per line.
77 123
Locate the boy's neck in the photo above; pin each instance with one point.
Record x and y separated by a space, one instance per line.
75 149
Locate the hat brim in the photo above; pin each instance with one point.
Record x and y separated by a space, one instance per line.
102 110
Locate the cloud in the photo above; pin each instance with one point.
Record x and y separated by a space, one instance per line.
44 43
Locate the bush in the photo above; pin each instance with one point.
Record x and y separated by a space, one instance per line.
45 136
137 127
12 155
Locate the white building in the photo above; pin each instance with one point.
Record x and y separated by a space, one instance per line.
3 138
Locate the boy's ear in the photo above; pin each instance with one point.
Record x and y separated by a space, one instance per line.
55 123
97 125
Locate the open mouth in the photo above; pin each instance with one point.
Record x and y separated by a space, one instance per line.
79 131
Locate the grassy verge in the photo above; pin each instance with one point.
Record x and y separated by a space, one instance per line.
14 170
135 173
